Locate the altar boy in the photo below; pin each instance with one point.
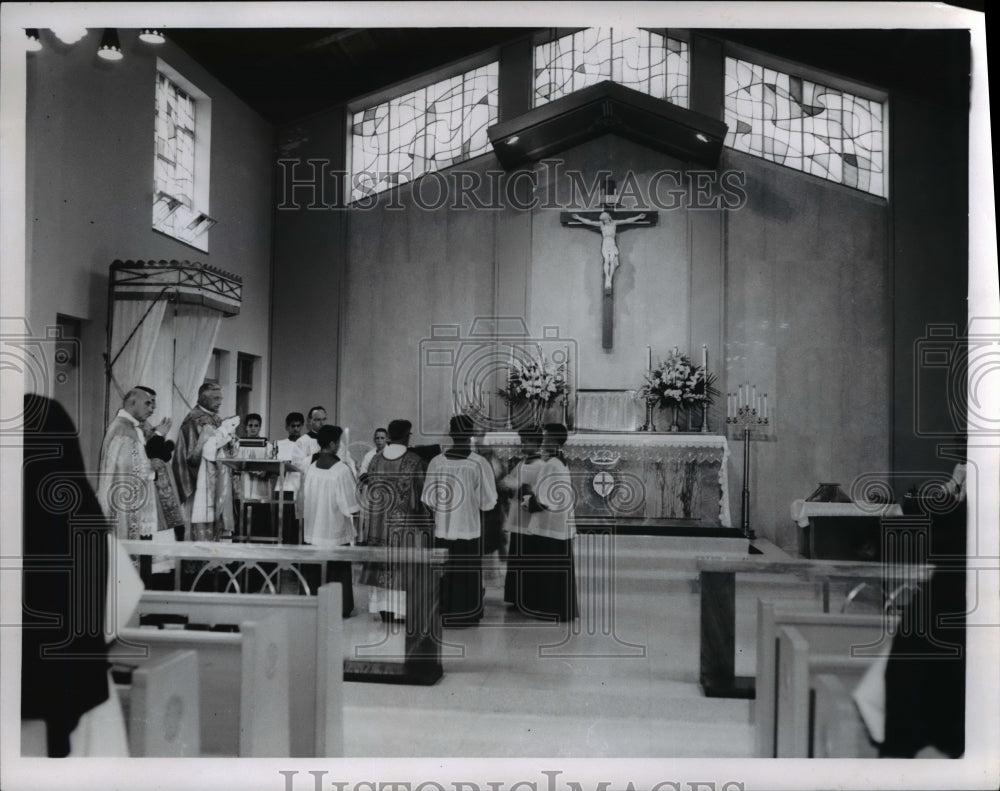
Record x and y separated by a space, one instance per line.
550 577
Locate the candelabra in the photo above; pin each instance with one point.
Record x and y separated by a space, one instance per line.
747 411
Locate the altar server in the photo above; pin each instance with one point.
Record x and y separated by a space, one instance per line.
550 580
458 488
519 482
327 504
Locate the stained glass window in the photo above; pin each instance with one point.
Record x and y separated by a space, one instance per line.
175 115
641 59
805 125
425 130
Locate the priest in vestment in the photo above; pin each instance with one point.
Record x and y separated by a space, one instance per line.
126 487
190 443
212 515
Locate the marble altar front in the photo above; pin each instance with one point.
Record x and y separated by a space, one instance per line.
642 475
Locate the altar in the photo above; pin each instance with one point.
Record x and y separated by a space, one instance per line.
671 478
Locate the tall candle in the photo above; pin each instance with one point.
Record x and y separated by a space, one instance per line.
649 358
765 406
704 356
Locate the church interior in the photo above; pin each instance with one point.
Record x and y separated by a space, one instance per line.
382 217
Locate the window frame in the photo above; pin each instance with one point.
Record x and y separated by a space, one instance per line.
201 176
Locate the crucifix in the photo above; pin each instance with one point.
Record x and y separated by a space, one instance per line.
607 221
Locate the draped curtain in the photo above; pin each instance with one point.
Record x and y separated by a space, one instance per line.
134 331
195 331
165 321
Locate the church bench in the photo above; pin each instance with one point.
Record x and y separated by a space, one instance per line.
160 703
717 584
242 682
420 572
839 731
315 645
826 632
799 667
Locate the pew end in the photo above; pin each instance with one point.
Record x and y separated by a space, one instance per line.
162 705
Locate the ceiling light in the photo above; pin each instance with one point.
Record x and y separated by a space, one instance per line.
151 36
69 34
110 48
34 43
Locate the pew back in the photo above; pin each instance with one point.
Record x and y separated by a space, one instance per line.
242 682
798 669
163 707
315 642
839 730
825 633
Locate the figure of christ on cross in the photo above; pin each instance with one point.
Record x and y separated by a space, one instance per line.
608 227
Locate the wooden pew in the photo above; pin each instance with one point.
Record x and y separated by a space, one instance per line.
717 585
799 665
419 571
160 704
839 731
242 682
315 643
840 631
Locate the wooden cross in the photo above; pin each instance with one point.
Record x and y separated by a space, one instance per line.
607 221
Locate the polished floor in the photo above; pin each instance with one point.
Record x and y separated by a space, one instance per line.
622 681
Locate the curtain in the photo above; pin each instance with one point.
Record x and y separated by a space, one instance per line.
134 333
195 331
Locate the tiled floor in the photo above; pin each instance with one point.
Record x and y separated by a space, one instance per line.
621 682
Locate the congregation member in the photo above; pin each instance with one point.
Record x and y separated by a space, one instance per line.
518 483
394 516
190 438
550 578
68 705
126 487
327 504
381 439
458 488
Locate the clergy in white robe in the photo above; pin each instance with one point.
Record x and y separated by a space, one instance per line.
212 515
126 487
550 579
518 483
327 503
458 487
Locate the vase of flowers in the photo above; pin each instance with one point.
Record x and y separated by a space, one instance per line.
533 384
678 384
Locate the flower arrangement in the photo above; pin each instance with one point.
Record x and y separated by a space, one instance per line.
539 381
677 382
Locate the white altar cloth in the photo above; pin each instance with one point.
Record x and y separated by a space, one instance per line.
608 448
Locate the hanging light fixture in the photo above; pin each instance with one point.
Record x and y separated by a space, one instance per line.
151 36
34 43
111 48
69 34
